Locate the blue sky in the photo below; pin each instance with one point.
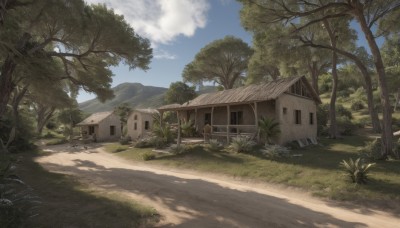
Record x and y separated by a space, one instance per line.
189 26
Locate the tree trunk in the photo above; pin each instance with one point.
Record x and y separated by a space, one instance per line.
15 105
332 105
314 77
43 116
7 71
387 133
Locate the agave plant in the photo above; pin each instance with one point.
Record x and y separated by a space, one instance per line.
357 170
242 144
268 128
214 145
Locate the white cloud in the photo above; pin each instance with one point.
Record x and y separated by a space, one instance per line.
163 54
162 21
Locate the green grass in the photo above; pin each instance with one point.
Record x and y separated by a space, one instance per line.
68 203
317 170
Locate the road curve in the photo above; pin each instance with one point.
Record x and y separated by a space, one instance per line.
186 199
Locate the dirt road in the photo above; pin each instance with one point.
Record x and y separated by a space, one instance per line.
192 200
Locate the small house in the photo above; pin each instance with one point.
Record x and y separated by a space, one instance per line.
140 122
101 126
290 101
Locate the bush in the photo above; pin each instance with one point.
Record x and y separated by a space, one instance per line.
148 156
372 150
214 145
125 140
17 201
158 142
362 122
342 111
343 93
357 170
119 149
143 143
175 149
357 105
242 144
188 129
345 126
57 141
275 151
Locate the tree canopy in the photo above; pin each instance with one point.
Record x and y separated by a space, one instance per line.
180 93
222 61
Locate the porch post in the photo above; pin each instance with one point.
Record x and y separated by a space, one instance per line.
256 116
178 140
195 119
228 110
161 117
212 118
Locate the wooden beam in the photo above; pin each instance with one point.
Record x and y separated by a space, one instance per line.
228 110
195 119
256 119
212 119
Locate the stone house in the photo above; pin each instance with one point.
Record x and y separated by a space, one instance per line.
101 126
290 101
140 122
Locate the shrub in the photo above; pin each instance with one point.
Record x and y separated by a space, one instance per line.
175 149
119 149
345 126
188 129
17 201
214 145
342 111
125 140
343 93
357 105
357 170
372 150
276 151
158 142
148 156
57 141
268 128
362 122
293 145
143 143
242 144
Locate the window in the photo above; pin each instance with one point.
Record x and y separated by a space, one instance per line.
207 118
112 130
135 117
284 110
91 130
311 118
297 116
135 126
237 118
146 125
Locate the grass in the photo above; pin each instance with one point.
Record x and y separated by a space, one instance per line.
317 170
68 203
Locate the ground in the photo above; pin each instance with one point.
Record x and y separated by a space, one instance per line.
189 199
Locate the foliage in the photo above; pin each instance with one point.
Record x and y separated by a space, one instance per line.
275 151
148 156
143 143
357 105
17 201
345 126
222 61
56 141
357 170
125 140
214 145
188 129
344 112
322 117
122 111
162 129
242 144
177 149
372 150
268 128
325 83
158 142
179 92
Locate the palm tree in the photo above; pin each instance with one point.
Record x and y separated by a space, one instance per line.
268 128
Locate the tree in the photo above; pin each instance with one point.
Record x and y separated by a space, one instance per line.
70 117
368 14
180 93
85 40
222 61
123 110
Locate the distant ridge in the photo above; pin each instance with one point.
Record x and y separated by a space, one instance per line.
134 94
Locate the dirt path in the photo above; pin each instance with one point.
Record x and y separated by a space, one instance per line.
193 200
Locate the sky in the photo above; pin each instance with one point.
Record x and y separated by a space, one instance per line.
177 29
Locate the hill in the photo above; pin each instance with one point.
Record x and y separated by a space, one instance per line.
135 94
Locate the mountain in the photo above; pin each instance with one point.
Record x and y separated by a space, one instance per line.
135 94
